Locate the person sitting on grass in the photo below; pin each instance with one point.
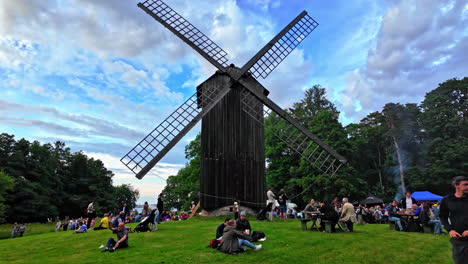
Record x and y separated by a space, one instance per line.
233 240
104 224
83 228
243 224
184 216
122 239
58 225
116 221
71 224
220 229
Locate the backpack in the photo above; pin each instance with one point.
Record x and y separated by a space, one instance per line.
256 235
214 243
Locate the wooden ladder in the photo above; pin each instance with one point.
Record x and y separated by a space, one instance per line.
194 212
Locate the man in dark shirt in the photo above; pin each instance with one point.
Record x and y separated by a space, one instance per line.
243 224
220 229
455 206
160 206
122 239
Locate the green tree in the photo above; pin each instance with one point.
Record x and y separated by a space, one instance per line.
51 181
126 194
405 133
445 121
6 183
297 175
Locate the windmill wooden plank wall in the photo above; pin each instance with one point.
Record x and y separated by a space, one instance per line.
233 151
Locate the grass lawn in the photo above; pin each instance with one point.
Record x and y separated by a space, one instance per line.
31 229
186 242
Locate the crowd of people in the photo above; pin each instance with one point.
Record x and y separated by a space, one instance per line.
403 213
235 235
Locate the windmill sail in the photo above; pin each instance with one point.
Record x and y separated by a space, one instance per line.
178 25
275 51
290 131
144 156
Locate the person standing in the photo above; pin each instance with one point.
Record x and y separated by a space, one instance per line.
14 231
160 206
348 216
22 229
454 217
156 219
235 210
146 210
271 201
282 199
91 213
125 210
408 201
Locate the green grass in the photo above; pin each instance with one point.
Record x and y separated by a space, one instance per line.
186 242
31 229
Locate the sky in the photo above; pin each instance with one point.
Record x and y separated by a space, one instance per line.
100 75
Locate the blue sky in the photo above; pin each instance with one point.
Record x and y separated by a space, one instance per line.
99 75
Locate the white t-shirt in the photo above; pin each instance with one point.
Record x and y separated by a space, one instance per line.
271 197
90 208
409 203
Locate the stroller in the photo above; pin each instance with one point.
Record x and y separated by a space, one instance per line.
144 225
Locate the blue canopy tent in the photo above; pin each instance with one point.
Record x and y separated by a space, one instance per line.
426 196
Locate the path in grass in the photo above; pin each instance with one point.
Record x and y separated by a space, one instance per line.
186 242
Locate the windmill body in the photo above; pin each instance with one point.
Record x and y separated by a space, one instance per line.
232 149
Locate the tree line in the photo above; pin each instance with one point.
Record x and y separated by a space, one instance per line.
40 181
403 147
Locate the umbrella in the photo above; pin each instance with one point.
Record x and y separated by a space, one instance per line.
426 196
372 200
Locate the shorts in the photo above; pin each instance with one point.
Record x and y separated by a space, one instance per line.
282 208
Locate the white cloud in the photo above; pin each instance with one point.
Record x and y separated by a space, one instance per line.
419 44
151 185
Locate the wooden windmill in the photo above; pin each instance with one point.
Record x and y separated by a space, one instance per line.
232 105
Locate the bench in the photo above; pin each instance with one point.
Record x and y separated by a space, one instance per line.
304 223
328 226
392 225
427 229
